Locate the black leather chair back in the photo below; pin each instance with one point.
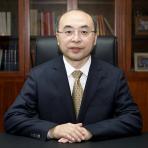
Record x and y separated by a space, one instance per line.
105 49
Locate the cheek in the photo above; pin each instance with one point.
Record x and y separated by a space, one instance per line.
62 44
89 44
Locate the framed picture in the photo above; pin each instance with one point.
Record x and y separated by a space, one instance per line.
141 61
141 25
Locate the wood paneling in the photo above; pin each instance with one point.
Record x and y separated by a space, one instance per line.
9 89
139 89
120 32
138 81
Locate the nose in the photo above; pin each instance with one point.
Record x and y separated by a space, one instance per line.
76 37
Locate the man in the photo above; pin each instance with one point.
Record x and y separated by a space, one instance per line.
46 107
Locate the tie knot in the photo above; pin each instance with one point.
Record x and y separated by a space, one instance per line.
77 74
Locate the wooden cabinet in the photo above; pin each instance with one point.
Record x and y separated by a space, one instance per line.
138 80
12 60
140 36
31 21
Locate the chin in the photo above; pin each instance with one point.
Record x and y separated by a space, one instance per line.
76 58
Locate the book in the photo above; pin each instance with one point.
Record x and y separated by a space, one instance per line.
103 26
34 22
1 55
109 26
8 23
3 23
46 22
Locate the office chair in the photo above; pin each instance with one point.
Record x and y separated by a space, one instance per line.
105 49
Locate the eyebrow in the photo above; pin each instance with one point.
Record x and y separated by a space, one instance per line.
85 26
69 26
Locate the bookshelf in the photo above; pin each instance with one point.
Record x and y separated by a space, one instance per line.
104 12
136 42
8 36
8 53
44 14
43 19
140 36
11 52
29 20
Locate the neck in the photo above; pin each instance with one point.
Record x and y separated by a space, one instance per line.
77 64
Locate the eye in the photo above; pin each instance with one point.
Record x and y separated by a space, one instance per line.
68 32
84 32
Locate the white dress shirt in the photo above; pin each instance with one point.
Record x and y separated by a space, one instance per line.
84 69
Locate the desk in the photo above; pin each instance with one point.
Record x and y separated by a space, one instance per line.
11 141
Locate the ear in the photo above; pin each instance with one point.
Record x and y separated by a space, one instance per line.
95 41
57 36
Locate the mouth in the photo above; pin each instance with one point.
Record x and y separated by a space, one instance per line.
75 49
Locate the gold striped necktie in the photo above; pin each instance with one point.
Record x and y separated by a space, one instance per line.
77 93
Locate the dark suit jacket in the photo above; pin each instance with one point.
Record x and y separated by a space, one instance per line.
107 109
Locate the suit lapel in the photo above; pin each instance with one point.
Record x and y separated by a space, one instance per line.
93 81
61 81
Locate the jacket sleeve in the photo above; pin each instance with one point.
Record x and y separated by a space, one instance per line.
127 118
22 118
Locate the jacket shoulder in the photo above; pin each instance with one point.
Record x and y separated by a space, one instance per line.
107 67
46 67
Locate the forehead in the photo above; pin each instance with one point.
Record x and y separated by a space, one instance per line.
76 19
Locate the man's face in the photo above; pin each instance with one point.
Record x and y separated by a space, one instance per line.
76 36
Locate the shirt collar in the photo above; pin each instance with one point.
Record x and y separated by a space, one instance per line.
84 68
